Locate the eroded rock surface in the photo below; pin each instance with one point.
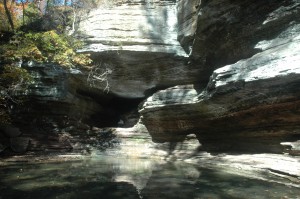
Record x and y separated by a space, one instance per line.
137 42
251 105
216 33
141 26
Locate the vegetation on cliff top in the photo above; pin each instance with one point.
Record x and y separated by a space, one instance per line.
36 31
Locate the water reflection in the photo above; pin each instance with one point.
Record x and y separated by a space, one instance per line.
118 177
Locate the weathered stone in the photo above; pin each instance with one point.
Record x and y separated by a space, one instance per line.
228 31
141 26
137 42
19 144
254 102
138 74
58 94
187 13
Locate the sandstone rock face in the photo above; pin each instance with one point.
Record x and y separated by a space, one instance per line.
138 74
227 31
254 102
137 42
147 26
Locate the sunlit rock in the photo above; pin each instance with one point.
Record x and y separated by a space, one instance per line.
137 42
228 31
142 26
251 105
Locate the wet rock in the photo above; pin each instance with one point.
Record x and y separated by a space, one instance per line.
19 144
279 168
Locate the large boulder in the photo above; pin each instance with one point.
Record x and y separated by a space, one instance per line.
251 105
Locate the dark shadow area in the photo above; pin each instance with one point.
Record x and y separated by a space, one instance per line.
93 190
114 108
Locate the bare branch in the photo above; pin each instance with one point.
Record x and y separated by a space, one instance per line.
99 75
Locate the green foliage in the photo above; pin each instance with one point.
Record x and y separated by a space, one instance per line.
31 13
44 47
13 78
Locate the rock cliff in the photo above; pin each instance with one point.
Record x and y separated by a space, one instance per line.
251 105
137 41
226 71
217 33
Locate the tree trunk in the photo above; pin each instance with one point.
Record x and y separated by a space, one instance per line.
23 15
73 22
8 14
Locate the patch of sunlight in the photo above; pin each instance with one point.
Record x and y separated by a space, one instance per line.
279 61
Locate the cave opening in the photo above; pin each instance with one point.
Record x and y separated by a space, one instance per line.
116 111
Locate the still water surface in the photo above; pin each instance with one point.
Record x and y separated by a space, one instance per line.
108 177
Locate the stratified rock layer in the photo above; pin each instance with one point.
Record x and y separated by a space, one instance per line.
140 26
137 42
220 32
251 105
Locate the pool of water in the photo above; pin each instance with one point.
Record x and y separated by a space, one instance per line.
110 177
